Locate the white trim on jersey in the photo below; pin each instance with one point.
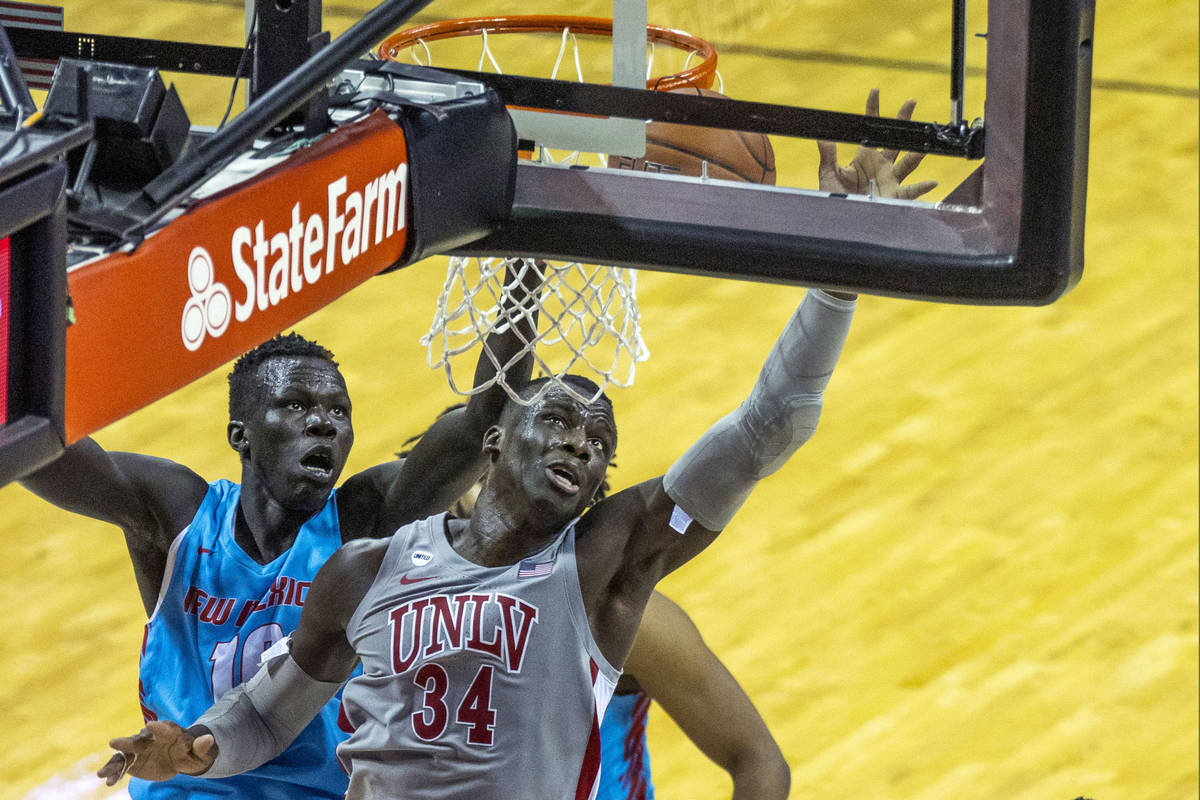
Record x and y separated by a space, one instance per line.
602 692
168 570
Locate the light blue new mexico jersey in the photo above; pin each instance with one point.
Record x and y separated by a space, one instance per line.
218 611
624 760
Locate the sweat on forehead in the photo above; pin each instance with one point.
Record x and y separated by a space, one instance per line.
276 375
284 375
244 381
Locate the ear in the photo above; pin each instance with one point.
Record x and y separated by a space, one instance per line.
493 440
235 434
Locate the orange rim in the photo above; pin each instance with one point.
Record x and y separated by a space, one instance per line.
701 75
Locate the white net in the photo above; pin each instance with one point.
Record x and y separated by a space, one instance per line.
588 315
588 322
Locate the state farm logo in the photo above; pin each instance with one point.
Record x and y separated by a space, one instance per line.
283 254
210 308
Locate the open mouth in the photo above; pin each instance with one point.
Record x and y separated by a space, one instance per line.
319 462
563 478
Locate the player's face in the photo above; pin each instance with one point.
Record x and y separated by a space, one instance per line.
561 449
301 433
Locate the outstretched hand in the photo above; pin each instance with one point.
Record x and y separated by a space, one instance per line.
160 751
871 164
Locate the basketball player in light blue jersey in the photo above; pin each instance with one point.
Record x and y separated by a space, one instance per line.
224 569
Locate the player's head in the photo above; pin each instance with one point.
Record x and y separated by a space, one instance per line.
464 506
289 420
245 382
556 450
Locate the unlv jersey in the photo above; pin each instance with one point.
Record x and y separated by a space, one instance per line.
478 682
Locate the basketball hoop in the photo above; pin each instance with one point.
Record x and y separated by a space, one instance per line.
588 322
700 75
588 319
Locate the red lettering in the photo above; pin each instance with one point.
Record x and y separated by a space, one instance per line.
476 712
429 721
248 608
476 642
277 594
401 661
302 591
217 610
515 641
445 626
195 598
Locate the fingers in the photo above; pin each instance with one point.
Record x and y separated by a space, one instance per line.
886 168
132 744
115 768
915 190
873 103
830 177
910 161
905 166
828 154
128 749
161 731
158 750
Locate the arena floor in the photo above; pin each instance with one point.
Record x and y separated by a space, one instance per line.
979 580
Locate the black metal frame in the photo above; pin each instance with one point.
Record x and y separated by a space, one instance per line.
203 59
33 216
1011 234
715 112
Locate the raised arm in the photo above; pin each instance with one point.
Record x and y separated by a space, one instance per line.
448 458
150 499
649 530
673 665
256 721
629 541
671 519
712 480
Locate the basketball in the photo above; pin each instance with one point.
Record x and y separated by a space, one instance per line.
731 155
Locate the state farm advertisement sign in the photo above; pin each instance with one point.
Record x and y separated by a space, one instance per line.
235 270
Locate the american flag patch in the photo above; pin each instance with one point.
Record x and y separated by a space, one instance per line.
534 569
37 72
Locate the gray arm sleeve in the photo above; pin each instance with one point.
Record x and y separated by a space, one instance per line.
256 721
712 480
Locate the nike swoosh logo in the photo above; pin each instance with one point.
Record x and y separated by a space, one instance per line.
407 581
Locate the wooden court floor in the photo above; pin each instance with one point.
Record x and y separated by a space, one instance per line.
979 580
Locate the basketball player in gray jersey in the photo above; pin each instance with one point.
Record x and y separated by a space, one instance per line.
490 646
